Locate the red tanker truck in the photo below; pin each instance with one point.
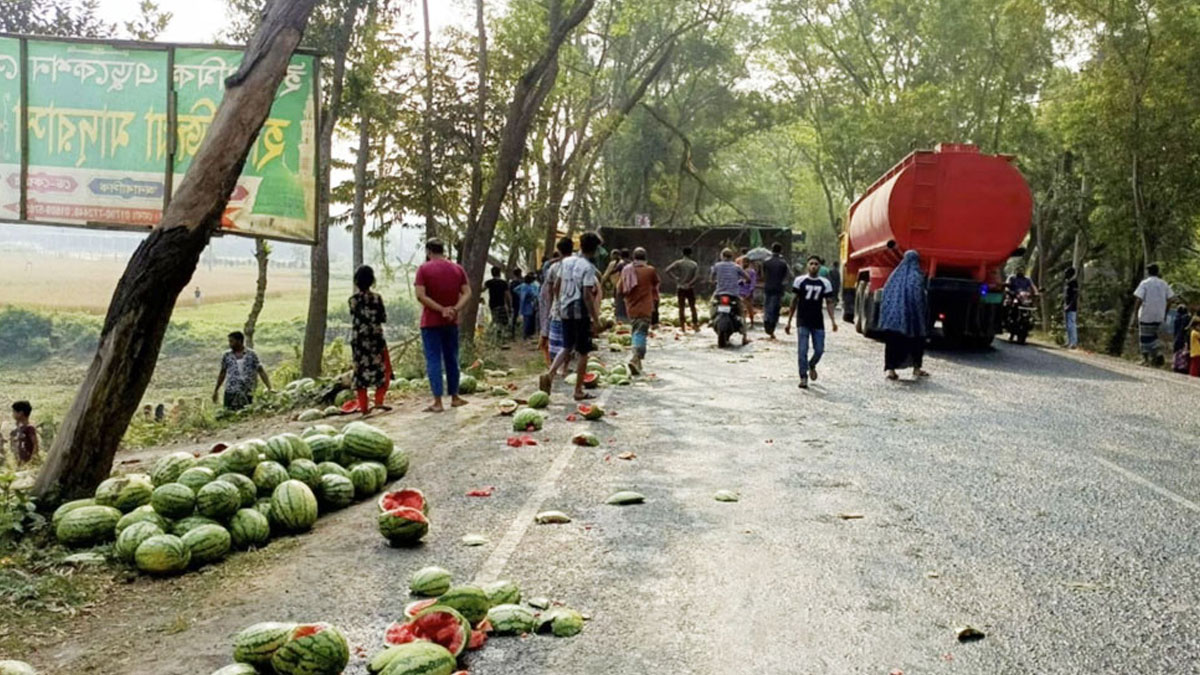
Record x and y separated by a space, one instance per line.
965 212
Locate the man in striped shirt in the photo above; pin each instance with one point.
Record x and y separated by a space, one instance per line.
727 276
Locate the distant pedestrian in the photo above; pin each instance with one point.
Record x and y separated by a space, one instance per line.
578 297
746 289
1182 346
372 362
640 285
1071 308
552 331
903 318
515 279
198 296
1152 295
24 437
443 290
529 292
776 274
545 305
685 272
812 296
1194 340
240 370
620 258
499 302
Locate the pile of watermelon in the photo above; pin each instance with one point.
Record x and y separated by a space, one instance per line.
189 512
289 649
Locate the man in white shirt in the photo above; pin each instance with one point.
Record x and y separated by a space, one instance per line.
1153 295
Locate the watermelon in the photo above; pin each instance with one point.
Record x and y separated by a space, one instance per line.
124 493
335 492
430 581
67 508
263 506
323 448
413 658
403 526
468 385
241 459
279 449
507 406
502 593
318 430
197 477
87 525
294 506
397 464
560 621
300 447
246 487
527 419
237 669
469 600
410 497
207 543
132 537
218 500
168 468
412 609
256 644
327 468
586 439
538 400
16 668
591 380
332 411
268 475
211 462
185 525
142 514
310 415
312 649
511 619
366 479
305 471
249 528
162 554
438 624
173 500
364 441
590 411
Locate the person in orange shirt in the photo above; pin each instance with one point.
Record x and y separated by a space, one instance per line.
639 285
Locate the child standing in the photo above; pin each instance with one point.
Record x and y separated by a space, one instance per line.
528 293
23 438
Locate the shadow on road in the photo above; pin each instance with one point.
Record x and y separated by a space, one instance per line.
1028 360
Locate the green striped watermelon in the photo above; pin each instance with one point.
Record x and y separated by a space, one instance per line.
125 493
414 658
364 441
162 554
327 468
511 619
88 525
397 464
132 537
403 526
67 508
312 649
246 487
185 525
218 500
318 430
305 471
140 515
256 644
469 600
294 506
335 492
197 477
249 528
263 506
268 475
278 449
173 500
439 624
168 468
366 479
502 593
324 448
212 462
207 543
241 459
430 581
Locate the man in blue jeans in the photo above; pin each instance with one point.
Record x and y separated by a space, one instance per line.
776 274
812 293
1071 308
443 290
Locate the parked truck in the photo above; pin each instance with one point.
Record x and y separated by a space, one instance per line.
965 213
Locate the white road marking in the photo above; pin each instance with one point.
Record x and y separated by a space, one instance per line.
1178 499
492 567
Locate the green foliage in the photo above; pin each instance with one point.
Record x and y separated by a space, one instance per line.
67 18
18 510
24 334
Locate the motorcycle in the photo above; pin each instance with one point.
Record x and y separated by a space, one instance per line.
1020 317
727 318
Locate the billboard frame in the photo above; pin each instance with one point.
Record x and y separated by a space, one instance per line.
171 138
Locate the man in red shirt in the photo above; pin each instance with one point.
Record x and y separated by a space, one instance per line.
442 288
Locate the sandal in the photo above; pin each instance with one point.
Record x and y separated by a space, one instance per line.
893 376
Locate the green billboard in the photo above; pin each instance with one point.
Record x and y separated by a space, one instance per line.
100 134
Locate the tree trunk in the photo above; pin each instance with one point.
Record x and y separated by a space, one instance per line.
359 216
427 130
162 266
1125 318
480 119
318 291
262 254
528 95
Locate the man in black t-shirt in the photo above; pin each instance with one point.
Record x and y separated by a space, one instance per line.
776 273
812 294
499 301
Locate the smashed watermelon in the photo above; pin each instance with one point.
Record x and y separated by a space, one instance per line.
438 624
591 380
408 497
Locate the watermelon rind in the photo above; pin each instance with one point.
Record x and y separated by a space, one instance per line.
430 581
162 554
502 593
511 619
323 652
469 600
560 622
237 669
384 502
397 464
218 500
403 526
527 419
132 537
414 658
249 528
88 525
173 500
168 468
207 543
256 644
294 506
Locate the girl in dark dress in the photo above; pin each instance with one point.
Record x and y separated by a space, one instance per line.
372 364
903 318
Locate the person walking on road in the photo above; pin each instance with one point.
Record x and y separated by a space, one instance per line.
529 292
620 258
515 279
728 277
640 284
240 370
776 273
1152 295
684 272
1071 308
372 363
903 318
499 302
1182 346
811 294
578 297
443 290
746 289
545 305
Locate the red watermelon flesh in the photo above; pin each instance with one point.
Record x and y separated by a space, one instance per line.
414 608
407 497
590 378
478 639
443 628
307 630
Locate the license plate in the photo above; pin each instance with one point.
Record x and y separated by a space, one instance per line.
724 309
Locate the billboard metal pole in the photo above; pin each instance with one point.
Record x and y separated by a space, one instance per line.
172 133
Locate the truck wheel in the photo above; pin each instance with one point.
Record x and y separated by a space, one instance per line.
860 294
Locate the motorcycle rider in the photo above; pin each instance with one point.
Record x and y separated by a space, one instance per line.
726 275
1017 284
